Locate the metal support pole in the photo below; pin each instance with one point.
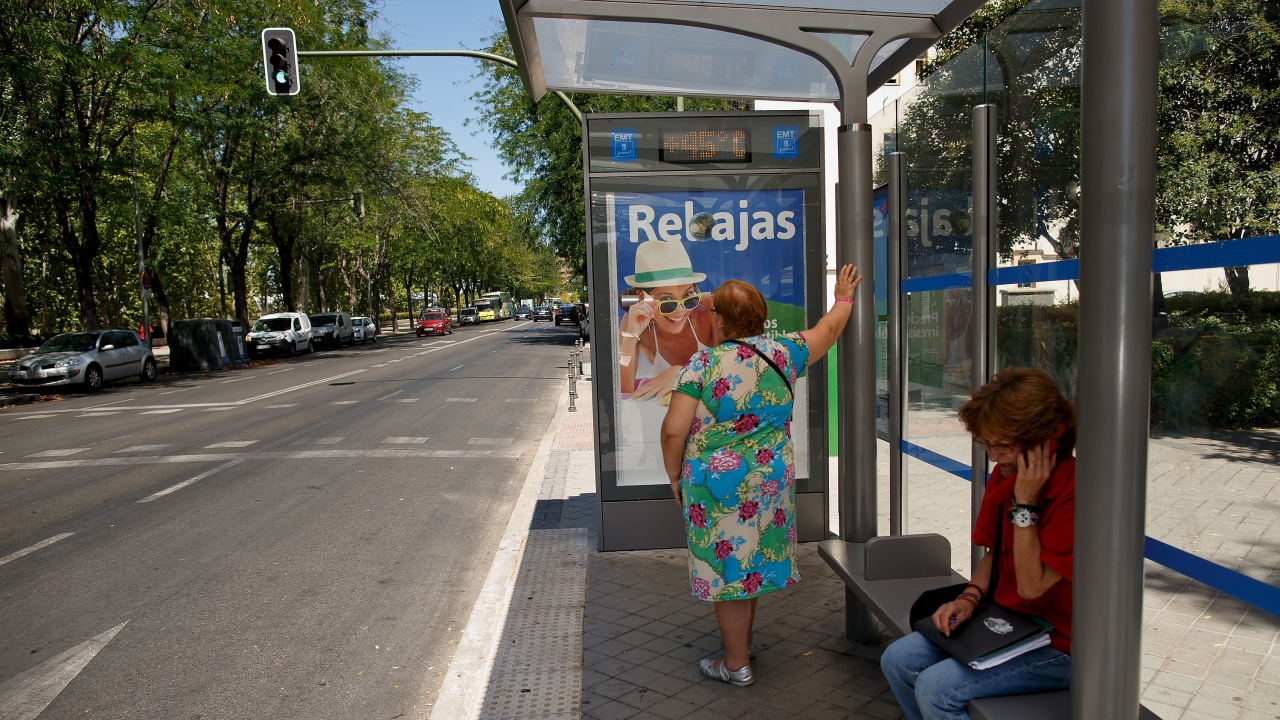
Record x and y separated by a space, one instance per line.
856 367
986 235
895 342
1117 221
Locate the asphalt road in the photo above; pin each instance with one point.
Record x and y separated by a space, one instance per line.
302 538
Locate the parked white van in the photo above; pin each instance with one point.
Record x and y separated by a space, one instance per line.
286 333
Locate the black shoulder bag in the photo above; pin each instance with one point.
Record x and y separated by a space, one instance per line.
773 365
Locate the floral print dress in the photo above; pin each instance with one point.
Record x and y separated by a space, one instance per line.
738 475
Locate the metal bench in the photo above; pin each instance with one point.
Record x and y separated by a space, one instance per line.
888 573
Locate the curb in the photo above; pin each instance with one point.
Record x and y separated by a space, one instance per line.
25 399
461 697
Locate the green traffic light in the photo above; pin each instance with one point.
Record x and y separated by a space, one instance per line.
282 77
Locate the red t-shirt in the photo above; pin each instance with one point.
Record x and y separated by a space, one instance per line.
1057 545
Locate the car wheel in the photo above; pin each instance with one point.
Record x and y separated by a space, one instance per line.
293 349
148 370
92 378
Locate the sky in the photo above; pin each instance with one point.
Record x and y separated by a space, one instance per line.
445 84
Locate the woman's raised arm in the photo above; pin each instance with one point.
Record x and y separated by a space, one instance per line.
824 333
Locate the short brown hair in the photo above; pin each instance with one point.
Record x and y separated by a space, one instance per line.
741 307
1023 405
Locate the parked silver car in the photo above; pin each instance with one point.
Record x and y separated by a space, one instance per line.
332 329
86 359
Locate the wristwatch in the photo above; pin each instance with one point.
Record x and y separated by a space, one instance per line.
1024 515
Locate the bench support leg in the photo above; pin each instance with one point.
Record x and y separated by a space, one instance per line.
859 624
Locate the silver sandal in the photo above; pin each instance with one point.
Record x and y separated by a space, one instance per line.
716 670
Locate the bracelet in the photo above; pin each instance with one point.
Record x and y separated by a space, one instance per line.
975 587
847 300
969 597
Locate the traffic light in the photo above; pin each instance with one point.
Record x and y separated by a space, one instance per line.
280 61
357 203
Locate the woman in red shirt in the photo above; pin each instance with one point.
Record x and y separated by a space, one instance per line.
1028 429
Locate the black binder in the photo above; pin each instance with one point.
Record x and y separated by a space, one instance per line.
990 629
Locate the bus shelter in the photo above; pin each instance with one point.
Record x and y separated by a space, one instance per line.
835 51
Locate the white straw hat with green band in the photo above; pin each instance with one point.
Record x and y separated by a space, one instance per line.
660 263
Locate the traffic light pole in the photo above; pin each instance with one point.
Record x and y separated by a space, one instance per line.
435 53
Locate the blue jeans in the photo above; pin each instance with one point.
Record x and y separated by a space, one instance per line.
932 685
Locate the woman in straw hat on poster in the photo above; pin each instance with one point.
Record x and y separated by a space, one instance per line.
666 325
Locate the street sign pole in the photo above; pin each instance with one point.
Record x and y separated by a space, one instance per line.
142 258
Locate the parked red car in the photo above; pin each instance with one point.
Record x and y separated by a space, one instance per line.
434 322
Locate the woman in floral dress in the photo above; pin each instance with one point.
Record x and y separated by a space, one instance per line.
726 445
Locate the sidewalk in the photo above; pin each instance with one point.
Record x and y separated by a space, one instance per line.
617 635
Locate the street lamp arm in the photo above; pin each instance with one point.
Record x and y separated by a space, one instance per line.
436 53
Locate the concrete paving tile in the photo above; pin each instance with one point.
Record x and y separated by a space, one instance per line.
1214 708
1169 696
1174 681
635 638
1247 714
1164 712
612 710
788 701
659 628
673 708
825 711
1268 689
610 687
850 701
1222 691
633 621
739 703
605 630
668 664
881 710
641 676
1237 664
642 698
610 648
668 685
662 645
702 692
613 667
1181 668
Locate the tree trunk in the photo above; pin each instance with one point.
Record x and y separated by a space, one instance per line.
391 300
285 240
17 318
82 257
1238 281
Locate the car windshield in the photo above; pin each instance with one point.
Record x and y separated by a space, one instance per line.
432 316
467 311
69 342
279 324
324 320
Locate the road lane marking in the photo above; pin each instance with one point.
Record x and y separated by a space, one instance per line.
286 405
406 400
489 441
344 402
459 399
282 391
217 409
162 412
515 400
144 448
58 453
277 372
352 453
193 480
387 397
231 444
405 440
32 417
27 551
318 441
25 696
246 377
99 414
455 368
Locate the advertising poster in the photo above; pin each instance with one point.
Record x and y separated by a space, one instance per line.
671 250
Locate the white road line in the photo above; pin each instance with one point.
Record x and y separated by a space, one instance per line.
286 405
58 453
405 440
231 444
282 391
185 483
344 402
318 441
217 409
489 441
406 400
25 696
455 368
99 414
42 544
459 399
391 395
162 412
277 372
515 400
345 453
32 417
246 377
143 448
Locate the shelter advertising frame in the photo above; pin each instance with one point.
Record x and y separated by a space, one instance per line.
676 204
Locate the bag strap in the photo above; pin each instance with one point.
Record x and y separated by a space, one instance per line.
764 357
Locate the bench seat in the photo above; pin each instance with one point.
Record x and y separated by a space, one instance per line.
889 573
1041 706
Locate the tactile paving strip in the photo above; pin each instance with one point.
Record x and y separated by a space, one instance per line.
537 669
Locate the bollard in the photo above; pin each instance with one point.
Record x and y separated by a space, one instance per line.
573 388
